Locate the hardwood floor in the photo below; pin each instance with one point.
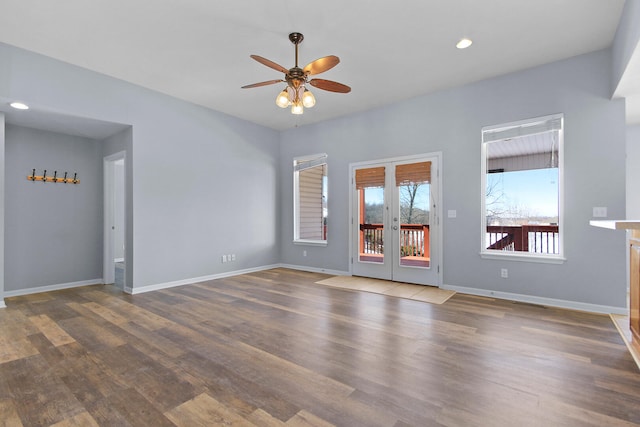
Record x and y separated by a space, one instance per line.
275 349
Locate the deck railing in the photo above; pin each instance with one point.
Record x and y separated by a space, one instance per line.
414 239
542 239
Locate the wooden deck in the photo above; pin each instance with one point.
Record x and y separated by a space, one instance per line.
405 261
275 349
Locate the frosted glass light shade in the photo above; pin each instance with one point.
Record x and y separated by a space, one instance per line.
297 108
308 100
282 100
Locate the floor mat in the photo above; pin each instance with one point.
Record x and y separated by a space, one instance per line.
429 294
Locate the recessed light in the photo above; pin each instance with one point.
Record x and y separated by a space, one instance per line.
464 43
19 105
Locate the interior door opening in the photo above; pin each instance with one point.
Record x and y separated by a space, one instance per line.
114 270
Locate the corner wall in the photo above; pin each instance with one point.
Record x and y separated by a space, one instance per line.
626 41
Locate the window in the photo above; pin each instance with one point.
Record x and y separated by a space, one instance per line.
310 199
522 189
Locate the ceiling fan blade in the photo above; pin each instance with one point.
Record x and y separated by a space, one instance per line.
330 85
321 65
270 82
269 63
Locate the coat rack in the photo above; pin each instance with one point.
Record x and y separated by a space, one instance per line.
54 178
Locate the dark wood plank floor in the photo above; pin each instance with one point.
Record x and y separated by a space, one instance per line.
275 349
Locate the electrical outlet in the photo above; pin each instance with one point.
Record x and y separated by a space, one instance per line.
233 257
304 253
504 273
224 258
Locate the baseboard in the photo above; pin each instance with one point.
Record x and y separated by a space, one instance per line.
551 302
191 281
315 270
49 288
2 304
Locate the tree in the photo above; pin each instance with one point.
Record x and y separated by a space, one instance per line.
494 197
373 213
410 195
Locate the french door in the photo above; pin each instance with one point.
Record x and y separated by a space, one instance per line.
395 220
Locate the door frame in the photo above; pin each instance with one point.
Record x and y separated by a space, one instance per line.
437 236
108 266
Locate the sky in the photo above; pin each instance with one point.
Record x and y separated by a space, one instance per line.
535 189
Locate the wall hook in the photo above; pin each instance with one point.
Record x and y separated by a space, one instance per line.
54 178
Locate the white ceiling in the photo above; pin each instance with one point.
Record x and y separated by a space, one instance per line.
198 50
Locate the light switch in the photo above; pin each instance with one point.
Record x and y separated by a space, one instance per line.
600 212
451 213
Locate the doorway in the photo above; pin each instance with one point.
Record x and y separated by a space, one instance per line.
395 231
114 220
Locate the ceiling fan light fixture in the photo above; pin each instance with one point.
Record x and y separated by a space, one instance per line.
308 100
282 100
295 93
464 43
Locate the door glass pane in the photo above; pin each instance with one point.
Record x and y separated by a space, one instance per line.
414 193
370 187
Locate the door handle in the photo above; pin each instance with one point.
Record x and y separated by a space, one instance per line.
395 227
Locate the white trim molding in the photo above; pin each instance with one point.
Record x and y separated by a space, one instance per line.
48 288
530 299
2 304
191 281
194 280
316 270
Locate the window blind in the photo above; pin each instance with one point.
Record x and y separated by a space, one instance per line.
551 124
369 177
413 173
309 162
310 203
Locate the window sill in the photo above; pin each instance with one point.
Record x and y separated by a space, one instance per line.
539 258
310 242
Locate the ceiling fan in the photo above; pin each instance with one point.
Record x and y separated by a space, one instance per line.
296 94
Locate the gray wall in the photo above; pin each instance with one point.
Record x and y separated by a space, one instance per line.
633 172
626 40
2 214
202 183
450 121
53 231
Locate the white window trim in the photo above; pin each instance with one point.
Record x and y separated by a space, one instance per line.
316 160
524 256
